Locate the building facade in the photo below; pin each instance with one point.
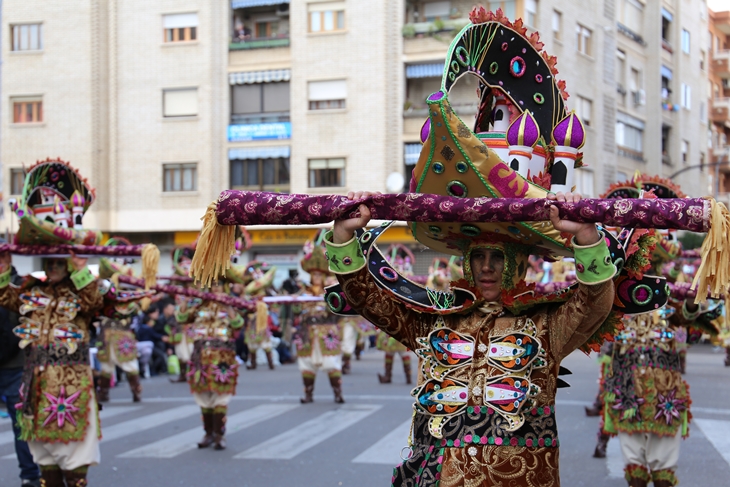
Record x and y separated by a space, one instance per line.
718 48
164 104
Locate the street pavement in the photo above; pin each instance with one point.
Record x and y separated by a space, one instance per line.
274 440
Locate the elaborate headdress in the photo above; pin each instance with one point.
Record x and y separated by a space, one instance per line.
314 259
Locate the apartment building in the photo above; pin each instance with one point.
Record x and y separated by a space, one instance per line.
718 49
164 104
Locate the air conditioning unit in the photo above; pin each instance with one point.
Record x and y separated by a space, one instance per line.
639 97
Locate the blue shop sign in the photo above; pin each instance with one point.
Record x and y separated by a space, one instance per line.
259 131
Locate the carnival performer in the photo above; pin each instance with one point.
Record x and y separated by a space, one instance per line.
213 369
350 332
260 279
318 336
116 342
180 334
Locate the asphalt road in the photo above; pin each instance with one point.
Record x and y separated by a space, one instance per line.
274 440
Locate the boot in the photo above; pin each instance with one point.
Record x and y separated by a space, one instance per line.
358 350
76 477
102 394
638 483
597 406
407 368
385 379
252 356
219 429
182 377
336 383
600 451
135 386
637 475
727 357
664 478
308 390
346 357
208 426
270 360
682 362
51 476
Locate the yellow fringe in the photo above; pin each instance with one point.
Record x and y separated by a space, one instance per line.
115 280
150 262
145 303
215 246
262 317
713 275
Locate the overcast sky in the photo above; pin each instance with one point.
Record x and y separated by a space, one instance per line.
718 5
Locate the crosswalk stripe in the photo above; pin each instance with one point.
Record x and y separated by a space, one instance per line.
717 432
126 428
180 443
614 459
310 433
387 450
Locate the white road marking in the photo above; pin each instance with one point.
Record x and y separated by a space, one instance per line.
126 428
718 433
311 433
387 450
174 445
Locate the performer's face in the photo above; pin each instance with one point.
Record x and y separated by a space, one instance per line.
56 270
487 266
317 278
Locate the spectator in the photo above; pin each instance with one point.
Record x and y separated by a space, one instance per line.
11 374
153 358
292 285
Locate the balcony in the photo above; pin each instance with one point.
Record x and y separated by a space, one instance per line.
430 40
268 42
721 63
721 111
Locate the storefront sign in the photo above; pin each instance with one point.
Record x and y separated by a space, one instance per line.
259 131
297 236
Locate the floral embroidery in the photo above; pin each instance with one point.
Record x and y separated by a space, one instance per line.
61 407
669 406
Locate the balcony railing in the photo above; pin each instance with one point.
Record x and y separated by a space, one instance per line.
630 34
271 117
721 110
420 29
263 43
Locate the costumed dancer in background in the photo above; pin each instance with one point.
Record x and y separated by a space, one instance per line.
116 342
213 369
402 260
318 336
181 336
260 278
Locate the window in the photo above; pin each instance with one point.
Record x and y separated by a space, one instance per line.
531 13
584 39
686 96
666 83
557 25
702 161
685 151
666 25
180 177
27 37
621 75
685 41
584 108
666 158
180 27
182 102
327 95
261 174
260 102
584 182
17 180
702 59
629 139
326 172
436 10
631 15
326 17
507 6
27 110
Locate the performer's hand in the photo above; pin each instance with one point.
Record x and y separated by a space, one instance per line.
78 263
585 233
345 229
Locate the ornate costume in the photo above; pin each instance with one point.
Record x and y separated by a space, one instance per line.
259 278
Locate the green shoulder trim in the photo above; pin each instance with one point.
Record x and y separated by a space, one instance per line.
5 279
82 278
344 258
593 263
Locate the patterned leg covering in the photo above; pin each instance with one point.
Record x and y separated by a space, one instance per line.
76 477
636 475
105 382
385 379
51 476
219 427
346 358
664 478
270 359
407 367
336 383
358 350
135 386
252 356
308 379
683 361
597 407
727 357
183 377
207 415
601 445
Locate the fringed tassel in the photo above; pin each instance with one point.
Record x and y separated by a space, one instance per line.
215 246
150 263
713 275
262 316
115 279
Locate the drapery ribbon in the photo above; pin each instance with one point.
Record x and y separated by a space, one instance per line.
79 250
217 239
